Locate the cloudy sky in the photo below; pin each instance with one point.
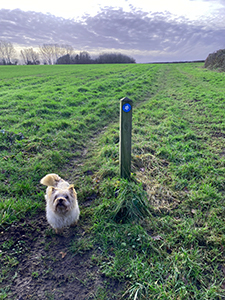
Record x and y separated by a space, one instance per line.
147 30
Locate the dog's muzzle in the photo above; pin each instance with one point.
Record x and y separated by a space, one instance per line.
60 201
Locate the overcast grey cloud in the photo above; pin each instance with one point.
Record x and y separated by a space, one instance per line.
145 36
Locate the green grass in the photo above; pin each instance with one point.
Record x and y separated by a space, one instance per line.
46 120
163 233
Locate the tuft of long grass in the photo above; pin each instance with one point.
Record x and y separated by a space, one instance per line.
131 203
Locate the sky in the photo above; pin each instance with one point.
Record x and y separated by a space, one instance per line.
147 30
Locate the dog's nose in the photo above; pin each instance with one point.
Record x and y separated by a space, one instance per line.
60 200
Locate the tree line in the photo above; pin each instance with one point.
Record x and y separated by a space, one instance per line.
50 54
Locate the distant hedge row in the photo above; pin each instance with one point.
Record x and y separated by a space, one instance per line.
216 60
85 58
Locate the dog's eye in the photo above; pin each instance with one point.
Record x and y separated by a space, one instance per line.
66 197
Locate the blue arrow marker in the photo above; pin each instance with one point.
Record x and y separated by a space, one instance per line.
126 107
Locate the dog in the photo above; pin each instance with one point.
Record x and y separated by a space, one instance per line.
62 208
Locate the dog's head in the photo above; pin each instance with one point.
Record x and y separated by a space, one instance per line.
61 200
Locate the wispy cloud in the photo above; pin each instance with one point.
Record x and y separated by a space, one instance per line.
148 36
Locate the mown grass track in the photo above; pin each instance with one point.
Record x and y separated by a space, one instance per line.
178 158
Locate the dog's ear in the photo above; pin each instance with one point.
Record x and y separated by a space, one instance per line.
52 190
72 190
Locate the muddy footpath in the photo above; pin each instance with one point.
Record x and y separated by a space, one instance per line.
43 266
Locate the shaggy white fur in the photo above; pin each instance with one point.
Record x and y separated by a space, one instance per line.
61 202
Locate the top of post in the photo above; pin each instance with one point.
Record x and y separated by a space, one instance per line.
126 100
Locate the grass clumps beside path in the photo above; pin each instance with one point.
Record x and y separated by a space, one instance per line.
160 236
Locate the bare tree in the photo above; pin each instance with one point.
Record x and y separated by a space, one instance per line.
68 49
52 52
46 53
7 52
30 57
57 51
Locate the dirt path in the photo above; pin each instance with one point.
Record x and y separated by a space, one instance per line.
44 267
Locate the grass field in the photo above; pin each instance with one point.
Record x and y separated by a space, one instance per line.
160 236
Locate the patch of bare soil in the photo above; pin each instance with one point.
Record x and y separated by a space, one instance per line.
43 266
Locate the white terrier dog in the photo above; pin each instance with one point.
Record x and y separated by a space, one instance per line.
61 202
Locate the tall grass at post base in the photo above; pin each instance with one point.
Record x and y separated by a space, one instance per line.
130 203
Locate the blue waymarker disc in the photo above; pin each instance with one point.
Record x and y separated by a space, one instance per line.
126 107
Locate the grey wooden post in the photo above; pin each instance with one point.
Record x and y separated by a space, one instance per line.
125 137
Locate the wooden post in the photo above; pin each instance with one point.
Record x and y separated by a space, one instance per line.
125 137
